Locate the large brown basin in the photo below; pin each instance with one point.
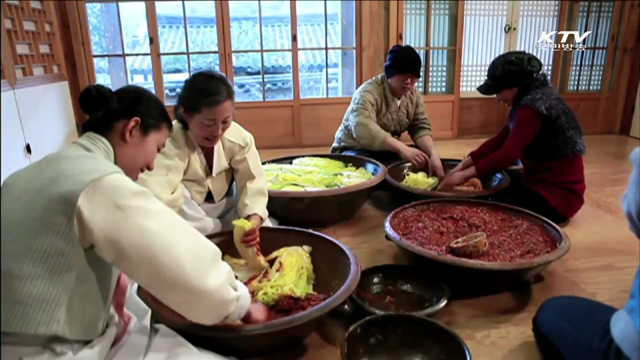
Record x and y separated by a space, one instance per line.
490 184
463 269
313 209
337 272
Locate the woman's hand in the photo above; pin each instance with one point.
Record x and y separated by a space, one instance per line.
435 167
464 164
452 179
257 313
252 237
418 159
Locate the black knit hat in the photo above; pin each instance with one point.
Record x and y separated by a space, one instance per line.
511 69
402 60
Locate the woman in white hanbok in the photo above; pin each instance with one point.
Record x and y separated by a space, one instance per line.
210 171
75 222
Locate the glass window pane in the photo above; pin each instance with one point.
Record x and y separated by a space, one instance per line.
171 26
104 28
597 73
441 71
415 23
311 24
587 70
175 71
484 39
341 20
204 62
110 72
278 76
595 17
342 72
276 24
312 74
536 17
139 72
584 69
444 23
202 25
247 76
133 19
245 25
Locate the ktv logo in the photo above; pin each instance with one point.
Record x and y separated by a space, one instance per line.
547 42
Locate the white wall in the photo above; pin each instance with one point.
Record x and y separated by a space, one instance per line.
14 153
41 116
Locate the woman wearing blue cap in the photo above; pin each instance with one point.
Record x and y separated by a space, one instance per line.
382 109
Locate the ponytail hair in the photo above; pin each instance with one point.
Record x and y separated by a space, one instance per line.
106 107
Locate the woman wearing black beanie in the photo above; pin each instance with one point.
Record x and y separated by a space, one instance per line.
382 109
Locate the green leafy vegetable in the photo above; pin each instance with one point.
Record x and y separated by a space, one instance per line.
420 180
313 173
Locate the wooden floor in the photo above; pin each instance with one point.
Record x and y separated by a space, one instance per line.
600 265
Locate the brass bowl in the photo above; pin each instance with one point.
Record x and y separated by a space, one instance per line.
320 208
491 185
470 269
337 272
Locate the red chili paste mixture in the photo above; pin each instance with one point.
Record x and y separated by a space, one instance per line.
512 237
288 305
395 298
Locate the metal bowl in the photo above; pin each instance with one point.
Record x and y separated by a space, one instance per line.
392 288
402 337
312 209
490 184
337 272
469 269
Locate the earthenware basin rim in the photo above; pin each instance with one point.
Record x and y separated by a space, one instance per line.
354 327
312 314
382 173
442 194
560 251
424 312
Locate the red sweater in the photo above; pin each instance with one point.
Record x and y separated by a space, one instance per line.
561 182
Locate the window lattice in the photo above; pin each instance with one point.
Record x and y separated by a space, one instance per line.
120 44
430 27
587 67
32 38
534 18
484 39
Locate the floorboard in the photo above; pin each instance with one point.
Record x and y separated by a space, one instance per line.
600 265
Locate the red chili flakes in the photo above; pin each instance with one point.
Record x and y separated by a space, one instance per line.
288 305
512 237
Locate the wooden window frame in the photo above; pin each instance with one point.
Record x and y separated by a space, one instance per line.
511 39
398 35
224 51
565 58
